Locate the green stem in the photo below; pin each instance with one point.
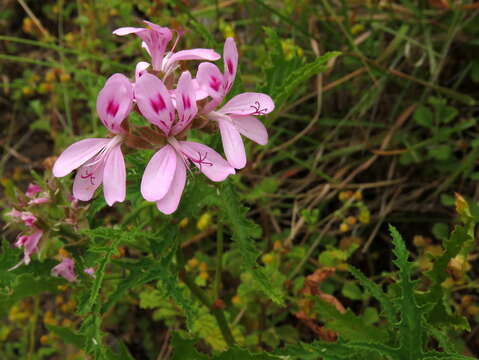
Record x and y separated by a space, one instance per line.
205 300
219 260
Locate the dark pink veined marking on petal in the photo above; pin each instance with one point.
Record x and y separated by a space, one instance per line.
257 110
158 104
186 102
230 66
201 159
87 175
112 108
215 83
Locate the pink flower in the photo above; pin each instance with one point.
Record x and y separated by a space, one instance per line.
65 269
29 244
100 160
90 271
32 190
237 116
155 40
28 218
165 175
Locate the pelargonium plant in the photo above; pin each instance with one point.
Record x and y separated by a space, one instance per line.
172 102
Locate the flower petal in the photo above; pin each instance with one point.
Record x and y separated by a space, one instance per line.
154 102
207 160
249 103
232 144
114 102
159 173
185 102
193 54
230 58
140 69
169 203
211 80
252 128
87 179
127 30
114 177
200 93
77 154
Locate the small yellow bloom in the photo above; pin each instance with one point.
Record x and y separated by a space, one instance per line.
277 245
65 77
204 275
44 339
203 266
184 223
204 221
351 220
364 216
358 195
26 90
193 262
236 300
344 227
267 258
50 75
356 29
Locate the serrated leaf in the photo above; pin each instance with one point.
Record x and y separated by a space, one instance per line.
411 324
299 76
377 292
244 231
67 335
349 326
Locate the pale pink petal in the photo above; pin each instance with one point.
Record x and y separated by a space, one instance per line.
249 103
30 245
128 30
154 102
207 160
77 154
114 102
28 218
200 93
169 203
87 179
232 144
141 69
193 54
211 80
90 271
159 173
114 177
65 269
230 58
157 39
39 201
252 128
185 102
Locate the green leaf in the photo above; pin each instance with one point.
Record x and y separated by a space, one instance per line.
377 292
67 335
244 231
411 325
349 326
299 76
423 116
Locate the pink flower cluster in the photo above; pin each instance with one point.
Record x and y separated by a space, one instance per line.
171 110
30 238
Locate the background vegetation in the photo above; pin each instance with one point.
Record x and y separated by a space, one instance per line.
383 133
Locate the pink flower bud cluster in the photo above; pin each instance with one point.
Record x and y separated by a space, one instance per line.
172 102
29 238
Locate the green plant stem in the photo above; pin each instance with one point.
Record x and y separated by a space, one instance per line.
219 260
205 300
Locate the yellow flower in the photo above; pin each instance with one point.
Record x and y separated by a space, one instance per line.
204 221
